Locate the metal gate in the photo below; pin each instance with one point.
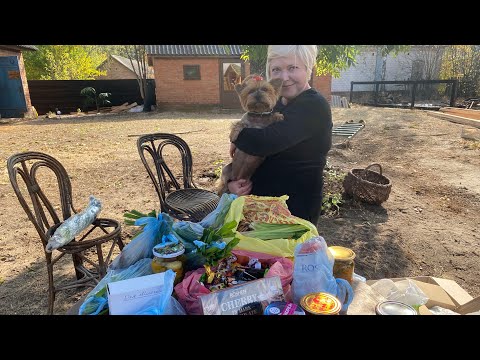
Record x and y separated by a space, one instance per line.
12 97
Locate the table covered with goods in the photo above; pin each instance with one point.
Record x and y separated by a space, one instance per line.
250 256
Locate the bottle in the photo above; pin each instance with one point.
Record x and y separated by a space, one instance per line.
169 256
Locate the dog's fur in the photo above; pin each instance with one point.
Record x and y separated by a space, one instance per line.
257 97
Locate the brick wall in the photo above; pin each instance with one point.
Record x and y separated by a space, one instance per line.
172 89
23 75
324 85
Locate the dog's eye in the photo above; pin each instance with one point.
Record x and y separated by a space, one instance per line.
264 88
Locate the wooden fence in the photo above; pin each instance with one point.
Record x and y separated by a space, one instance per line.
47 95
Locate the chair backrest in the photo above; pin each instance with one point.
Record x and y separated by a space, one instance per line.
152 146
24 167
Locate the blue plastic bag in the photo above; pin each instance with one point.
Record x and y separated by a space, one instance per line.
96 300
165 304
142 244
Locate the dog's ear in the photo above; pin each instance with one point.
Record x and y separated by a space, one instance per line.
277 84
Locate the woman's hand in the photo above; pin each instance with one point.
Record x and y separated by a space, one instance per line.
232 149
240 187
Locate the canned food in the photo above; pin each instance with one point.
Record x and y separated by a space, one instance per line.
394 308
344 265
283 308
320 303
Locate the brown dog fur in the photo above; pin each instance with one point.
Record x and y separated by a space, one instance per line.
256 96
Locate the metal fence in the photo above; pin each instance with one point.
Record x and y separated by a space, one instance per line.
405 94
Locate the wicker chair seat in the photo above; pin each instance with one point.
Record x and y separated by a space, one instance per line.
179 196
197 203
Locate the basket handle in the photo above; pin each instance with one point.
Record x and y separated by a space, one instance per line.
375 164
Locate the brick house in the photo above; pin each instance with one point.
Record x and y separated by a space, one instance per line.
15 98
120 68
194 76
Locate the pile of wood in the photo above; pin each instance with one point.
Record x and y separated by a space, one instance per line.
108 109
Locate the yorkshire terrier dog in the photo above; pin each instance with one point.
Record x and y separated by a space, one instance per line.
257 97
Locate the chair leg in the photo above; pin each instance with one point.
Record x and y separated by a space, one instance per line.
51 290
77 262
120 243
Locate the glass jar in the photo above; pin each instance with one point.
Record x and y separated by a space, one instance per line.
164 260
344 265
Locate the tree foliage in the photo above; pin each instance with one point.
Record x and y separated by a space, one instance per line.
331 59
65 62
462 62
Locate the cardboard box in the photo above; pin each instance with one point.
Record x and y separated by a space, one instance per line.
127 297
444 293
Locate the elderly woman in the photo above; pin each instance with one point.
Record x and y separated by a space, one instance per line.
296 148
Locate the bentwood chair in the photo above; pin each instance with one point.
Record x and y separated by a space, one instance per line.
43 188
182 199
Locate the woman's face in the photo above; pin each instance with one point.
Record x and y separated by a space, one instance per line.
293 73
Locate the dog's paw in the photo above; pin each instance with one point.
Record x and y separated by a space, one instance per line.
276 116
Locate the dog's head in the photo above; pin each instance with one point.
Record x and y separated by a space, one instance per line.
257 94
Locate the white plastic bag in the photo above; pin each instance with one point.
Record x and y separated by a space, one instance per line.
74 225
313 272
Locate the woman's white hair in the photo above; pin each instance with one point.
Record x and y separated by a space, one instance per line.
307 54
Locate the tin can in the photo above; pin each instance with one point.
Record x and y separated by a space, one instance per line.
344 265
283 308
394 308
320 303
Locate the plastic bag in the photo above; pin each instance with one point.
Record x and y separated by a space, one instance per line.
278 266
189 290
404 291
164 304
142 244
271 210
217 217
74 225
96 300
313 272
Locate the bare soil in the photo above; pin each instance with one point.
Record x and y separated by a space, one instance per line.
428 226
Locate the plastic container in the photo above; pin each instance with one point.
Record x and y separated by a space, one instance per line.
320 303
344 264
169 257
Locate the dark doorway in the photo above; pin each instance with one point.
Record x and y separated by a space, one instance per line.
232 72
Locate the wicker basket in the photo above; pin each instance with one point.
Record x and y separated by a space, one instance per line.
367 185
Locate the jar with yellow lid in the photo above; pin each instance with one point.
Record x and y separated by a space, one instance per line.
169 257
320 303
344 265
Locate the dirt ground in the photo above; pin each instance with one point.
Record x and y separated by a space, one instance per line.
428 226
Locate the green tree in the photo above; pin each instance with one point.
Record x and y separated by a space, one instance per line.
65 62
462 62
331 59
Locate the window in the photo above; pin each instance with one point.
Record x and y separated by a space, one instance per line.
191 72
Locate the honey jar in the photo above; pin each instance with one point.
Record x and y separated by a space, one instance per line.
320 303
344 265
